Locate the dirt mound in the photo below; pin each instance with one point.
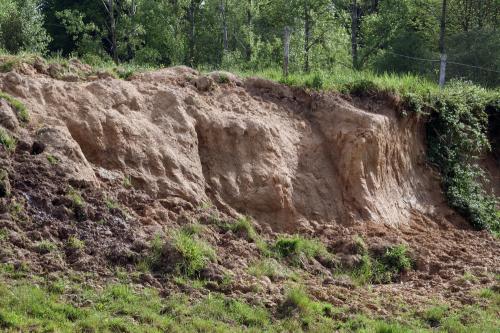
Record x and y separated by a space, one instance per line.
255 147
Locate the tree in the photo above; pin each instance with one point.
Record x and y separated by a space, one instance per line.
21 26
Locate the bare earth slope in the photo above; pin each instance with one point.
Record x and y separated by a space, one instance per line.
166 148
251 147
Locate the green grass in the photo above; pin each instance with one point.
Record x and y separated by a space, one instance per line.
297 249
74 243
243 227
76 198
21 110
7 141
385 268
53 160
271 268
184 251
45 246
195 253
46 306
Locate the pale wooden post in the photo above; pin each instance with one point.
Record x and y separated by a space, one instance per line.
442 49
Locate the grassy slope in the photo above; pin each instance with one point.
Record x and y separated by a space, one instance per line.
41 305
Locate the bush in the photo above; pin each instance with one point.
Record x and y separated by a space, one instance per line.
457 137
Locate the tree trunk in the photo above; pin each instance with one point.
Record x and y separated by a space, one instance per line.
192 30
248 51
354 34
442 49
307 35
225 43
109 5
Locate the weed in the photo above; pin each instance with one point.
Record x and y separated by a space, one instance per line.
5 188
383 269
435 314
193 229
78 204
297 249
21 111
268 267
7 141
223 78
3 234
17 208
244 227
195 254
76 198
45 246
53 160
315 82
111 204
298 304
73 243
127 182
486 293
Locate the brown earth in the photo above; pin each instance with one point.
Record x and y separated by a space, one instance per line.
325 165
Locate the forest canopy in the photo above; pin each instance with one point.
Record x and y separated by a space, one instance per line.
396 36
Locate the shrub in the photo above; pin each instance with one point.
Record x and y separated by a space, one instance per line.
457 136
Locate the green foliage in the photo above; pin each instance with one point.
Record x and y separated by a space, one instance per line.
76 198
383 269
73 243
310 313
5 188
457 137
45 246
53 160
21 26
243 226
269 267
195 253
7 141
435 315
45 307
21 111
127 182
297 249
